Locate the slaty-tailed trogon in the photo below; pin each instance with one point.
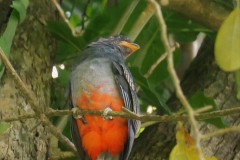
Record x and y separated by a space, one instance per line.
101 80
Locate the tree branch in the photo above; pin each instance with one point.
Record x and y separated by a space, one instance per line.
206 12
61 155
220 132
143 118
62 14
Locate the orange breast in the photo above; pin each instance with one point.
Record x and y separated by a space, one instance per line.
100 135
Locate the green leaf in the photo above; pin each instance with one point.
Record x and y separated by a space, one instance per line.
68 45
61 31
18 14
227 45
184 29
199 100
7 37
65 52
148 91
20 6
4 127
63 76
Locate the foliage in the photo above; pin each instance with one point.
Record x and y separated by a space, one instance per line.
18 14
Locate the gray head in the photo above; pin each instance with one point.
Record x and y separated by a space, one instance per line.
118 43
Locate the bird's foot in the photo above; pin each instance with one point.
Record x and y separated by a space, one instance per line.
105 114
77 115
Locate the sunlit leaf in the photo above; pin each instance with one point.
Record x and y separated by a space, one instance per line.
227 45
20 6
17 15
185 148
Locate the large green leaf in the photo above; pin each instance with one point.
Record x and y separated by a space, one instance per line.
18 15
227 45
20 6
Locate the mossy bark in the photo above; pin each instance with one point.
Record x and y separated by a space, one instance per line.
30 55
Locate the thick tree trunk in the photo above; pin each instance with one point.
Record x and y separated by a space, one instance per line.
157 141
31 57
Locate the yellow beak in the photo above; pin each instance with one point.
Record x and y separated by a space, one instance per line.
132 46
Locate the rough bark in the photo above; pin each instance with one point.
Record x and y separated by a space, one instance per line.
31 56
157 141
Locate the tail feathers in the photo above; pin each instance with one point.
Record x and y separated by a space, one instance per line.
107 156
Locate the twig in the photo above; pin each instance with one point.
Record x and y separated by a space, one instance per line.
176 82
203 109
143 118
62 155
21 117
160 59
132 114
34 102
61 125
62 14
220 132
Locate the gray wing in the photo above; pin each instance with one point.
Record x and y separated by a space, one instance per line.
127 90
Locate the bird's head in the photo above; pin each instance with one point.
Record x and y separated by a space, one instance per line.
119 44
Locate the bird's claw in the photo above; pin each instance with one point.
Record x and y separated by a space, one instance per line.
105 114
75 113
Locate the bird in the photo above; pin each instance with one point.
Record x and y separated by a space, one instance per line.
101 81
